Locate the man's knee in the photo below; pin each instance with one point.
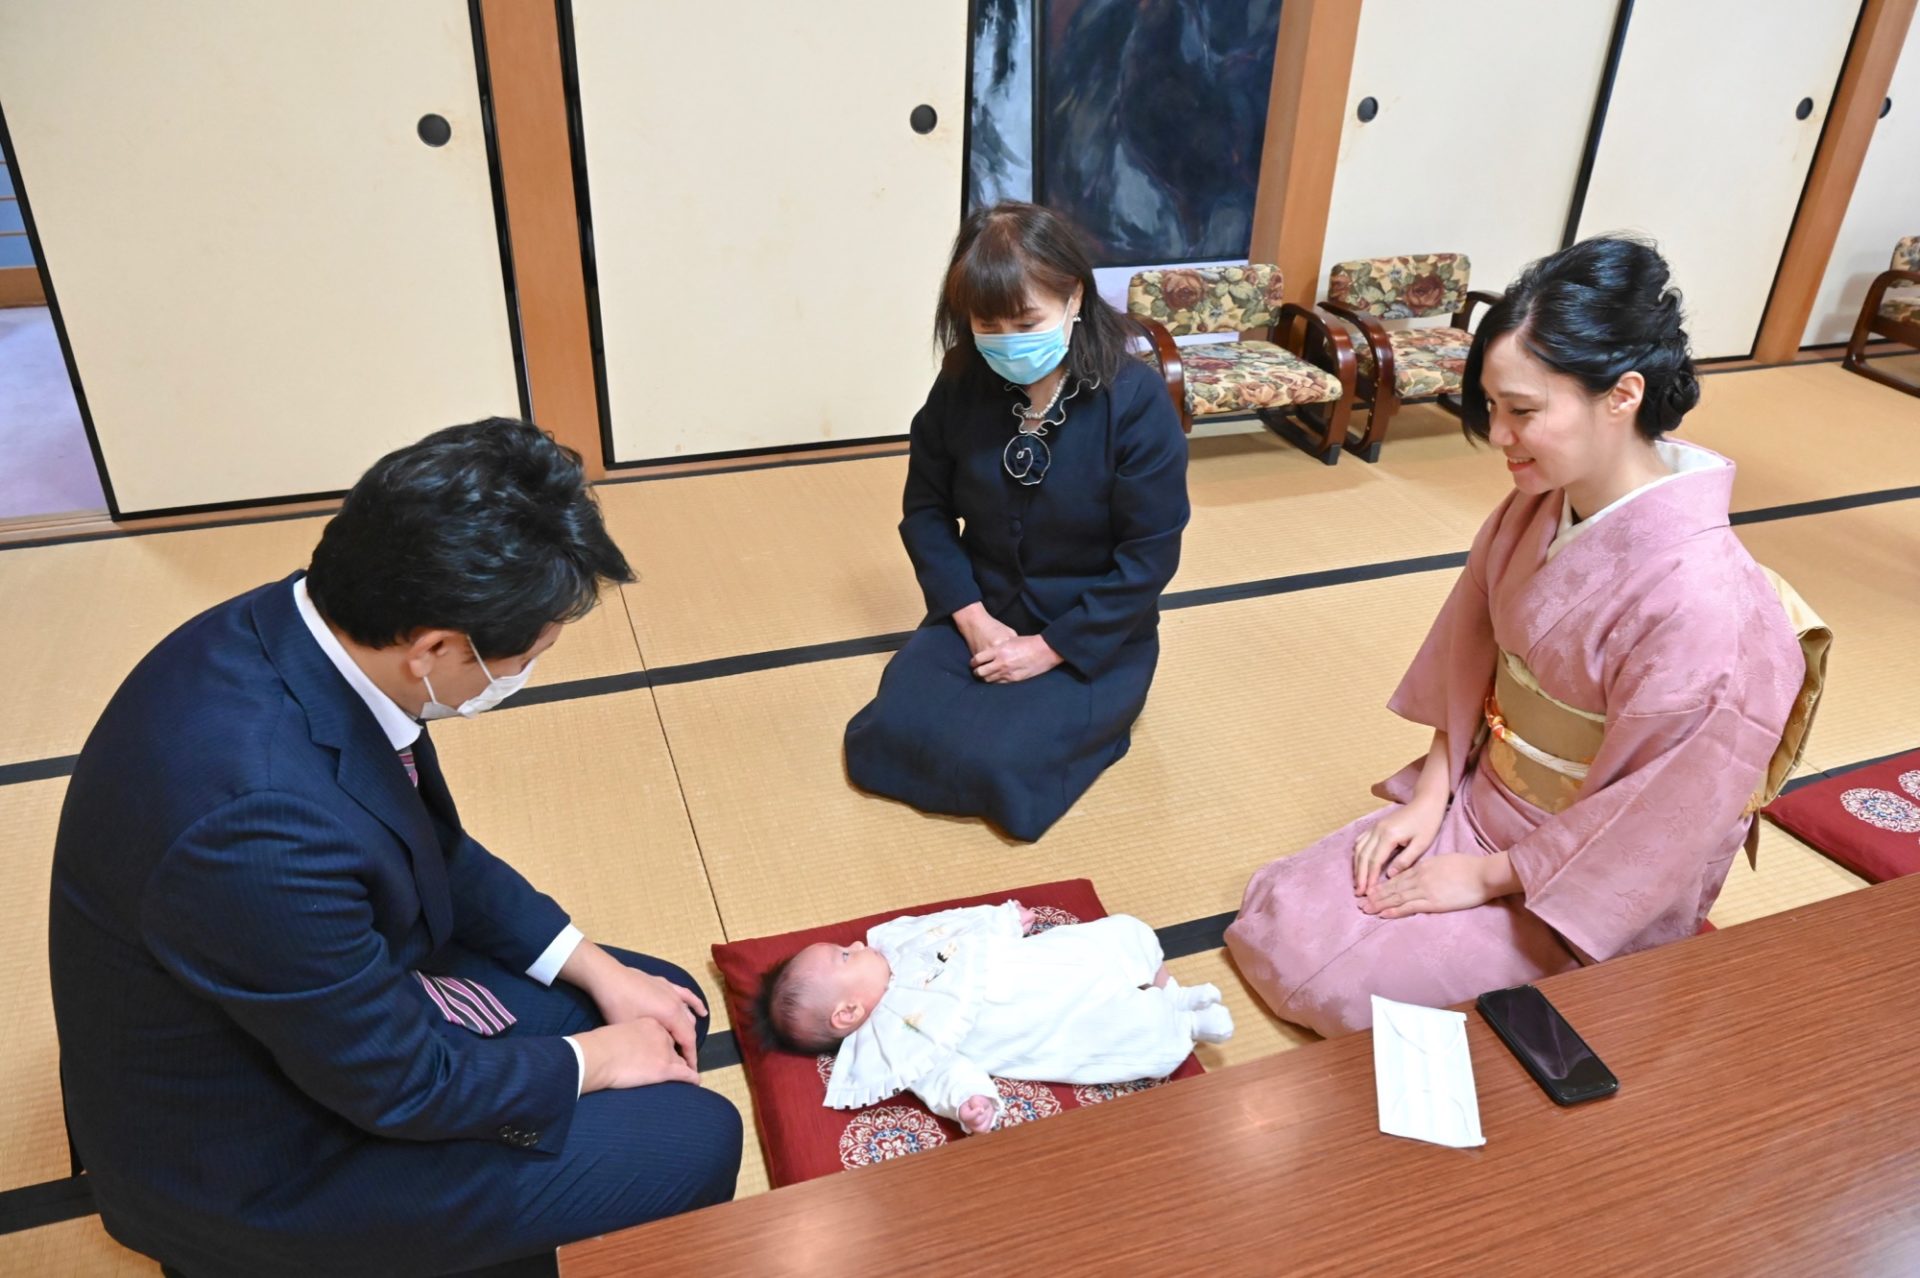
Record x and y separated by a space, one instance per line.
692 1141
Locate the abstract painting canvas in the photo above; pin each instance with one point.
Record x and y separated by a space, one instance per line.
1152 114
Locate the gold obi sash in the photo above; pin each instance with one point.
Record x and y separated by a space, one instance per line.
1540 748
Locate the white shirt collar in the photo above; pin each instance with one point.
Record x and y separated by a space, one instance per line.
1679 459
401 728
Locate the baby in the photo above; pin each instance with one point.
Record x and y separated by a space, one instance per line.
939 1004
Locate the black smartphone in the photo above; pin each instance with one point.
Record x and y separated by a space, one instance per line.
1559 1059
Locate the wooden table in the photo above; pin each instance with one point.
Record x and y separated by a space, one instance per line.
1768 1122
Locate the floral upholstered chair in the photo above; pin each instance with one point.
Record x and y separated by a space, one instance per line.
1414 363
1897 317
1299 381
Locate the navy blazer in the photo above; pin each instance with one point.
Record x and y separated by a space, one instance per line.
243 880
1087 550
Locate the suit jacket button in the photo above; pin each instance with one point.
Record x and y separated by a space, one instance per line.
1016 525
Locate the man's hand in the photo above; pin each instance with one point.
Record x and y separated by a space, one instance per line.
625 995
634 1054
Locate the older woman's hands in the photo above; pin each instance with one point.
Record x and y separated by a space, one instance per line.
980 629
1015 659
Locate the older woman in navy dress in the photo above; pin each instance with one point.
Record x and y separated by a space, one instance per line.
1046 493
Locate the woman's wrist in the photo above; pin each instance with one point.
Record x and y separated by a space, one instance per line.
1498 878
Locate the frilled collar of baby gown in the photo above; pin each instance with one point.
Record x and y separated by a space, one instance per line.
938 979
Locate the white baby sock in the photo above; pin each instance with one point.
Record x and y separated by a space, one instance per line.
1191 998
1212 1024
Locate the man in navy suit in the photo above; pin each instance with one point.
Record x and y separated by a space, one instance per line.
309 1025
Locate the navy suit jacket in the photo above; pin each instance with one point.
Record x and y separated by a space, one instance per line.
243 881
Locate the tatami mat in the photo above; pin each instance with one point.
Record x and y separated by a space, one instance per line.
667 819
731 1083
33 1139
581 797
1255 742
71 1249
760 560
1790 875
78 617
1860 569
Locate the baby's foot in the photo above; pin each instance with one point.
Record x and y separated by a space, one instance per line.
1191 998
1212 1024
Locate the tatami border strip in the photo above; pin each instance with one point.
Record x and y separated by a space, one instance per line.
869 645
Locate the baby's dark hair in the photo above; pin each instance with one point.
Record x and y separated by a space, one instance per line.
780 1014
1595 311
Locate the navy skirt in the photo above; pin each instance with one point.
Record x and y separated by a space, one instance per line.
1017 754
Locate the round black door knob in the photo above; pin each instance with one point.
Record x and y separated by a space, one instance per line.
1804 110
923 118
434 130
1886 107
1369 107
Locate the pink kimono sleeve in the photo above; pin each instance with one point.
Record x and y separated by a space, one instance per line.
1691 725
1446 686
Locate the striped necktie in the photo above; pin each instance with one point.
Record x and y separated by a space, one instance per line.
468 1004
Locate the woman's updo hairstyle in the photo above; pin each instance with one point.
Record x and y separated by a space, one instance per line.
1595 311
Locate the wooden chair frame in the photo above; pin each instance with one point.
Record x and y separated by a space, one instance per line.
1378 392
1871 323
1319 428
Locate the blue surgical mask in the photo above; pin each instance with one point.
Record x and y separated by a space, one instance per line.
1025 358
498 689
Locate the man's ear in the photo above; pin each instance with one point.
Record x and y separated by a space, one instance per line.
430 649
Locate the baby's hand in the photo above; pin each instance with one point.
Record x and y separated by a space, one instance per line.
1027 919
978 1113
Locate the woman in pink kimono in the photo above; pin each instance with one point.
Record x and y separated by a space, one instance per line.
1606 685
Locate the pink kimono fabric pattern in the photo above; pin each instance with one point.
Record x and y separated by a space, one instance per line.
1657 618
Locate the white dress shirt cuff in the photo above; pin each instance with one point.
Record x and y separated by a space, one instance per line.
555 957
579 1059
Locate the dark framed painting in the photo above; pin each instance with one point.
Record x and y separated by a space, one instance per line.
1148 121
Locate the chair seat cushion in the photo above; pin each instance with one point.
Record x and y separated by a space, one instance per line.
802 1138
1243 377
1426 361
1901 310
1867 819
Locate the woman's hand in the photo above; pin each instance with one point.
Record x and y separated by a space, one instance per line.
1395 842
979 629
1016 659
625 994
1441 884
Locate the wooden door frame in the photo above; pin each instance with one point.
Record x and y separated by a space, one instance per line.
1865 76
1306 108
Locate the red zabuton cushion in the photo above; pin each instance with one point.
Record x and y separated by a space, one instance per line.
801 1136
1867 819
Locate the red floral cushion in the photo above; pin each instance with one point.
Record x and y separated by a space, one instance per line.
802 1138
1867 819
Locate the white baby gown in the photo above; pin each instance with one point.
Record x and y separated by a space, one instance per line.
971 998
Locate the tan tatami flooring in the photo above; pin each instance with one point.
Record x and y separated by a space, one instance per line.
674 777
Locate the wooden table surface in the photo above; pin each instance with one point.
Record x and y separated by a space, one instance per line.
1768 1122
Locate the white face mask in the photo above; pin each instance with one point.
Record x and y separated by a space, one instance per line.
496 691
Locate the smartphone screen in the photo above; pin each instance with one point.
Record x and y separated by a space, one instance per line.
1554 1054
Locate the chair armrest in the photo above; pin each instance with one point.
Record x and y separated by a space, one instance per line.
1371 329
1464 316
1167 355
1321 344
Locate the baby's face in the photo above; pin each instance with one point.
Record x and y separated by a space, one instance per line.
843 983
